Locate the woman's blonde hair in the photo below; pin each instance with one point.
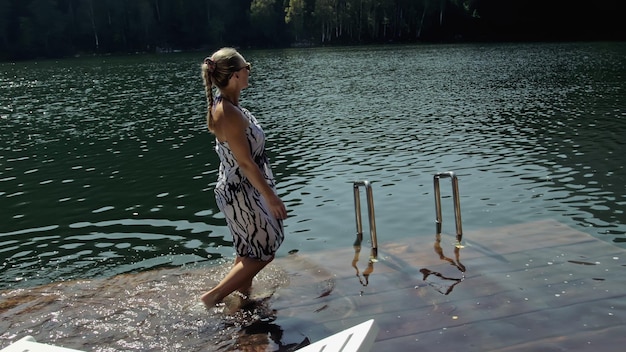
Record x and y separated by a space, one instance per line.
216 71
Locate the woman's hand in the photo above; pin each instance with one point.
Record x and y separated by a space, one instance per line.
277 207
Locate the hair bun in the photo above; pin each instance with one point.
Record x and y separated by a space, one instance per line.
210 63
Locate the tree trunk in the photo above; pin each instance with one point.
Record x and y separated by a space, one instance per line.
360 25
93 25
441 8
421 25
157 10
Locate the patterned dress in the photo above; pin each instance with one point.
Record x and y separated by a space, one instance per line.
256 232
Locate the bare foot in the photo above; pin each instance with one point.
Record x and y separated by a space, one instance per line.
209 300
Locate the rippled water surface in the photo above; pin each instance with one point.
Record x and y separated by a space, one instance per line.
106 166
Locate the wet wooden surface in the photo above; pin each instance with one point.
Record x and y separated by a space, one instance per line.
539 286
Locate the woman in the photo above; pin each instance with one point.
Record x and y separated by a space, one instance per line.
245 190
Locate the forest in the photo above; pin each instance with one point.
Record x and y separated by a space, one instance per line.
39 29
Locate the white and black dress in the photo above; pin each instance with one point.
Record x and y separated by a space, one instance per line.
256 232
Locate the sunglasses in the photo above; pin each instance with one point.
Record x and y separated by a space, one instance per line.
247 66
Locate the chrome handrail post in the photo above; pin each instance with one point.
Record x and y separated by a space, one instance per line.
457 208
456 203
438 220
357 210
370 211
372 220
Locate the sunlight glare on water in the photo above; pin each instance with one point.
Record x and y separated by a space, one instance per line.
143 312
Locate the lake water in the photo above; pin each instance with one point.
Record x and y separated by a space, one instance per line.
106 166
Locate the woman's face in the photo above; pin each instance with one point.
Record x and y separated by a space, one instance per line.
242 74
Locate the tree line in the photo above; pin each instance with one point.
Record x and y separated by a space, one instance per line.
60 28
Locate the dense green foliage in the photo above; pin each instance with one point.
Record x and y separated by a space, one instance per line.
57 28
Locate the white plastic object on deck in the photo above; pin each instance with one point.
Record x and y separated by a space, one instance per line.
359 338
29 344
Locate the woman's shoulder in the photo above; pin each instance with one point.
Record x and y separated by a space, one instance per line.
233 113
228 119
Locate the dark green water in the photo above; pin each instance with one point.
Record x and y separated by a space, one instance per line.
106 166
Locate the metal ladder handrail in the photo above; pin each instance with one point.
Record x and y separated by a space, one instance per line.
370 207
456 201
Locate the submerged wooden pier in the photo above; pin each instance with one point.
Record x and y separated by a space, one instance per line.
540 286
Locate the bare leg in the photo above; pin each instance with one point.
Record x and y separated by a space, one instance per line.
247 285
239 278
